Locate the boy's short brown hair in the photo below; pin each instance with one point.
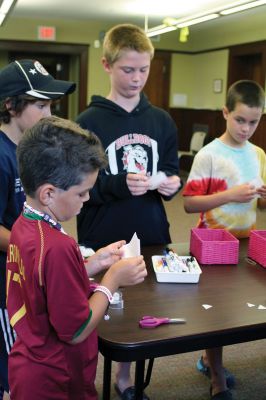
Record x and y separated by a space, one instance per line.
247 92
57 151
125 37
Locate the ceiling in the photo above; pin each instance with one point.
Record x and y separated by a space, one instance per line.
118 11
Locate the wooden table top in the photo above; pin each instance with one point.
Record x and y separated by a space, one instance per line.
228 288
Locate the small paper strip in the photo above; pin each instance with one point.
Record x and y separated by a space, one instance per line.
252 262
257 182
250 305
206 306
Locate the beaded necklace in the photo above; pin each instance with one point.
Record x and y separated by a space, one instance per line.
32 213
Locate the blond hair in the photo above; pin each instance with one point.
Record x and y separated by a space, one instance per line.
125 37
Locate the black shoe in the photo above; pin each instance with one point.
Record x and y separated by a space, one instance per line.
128 393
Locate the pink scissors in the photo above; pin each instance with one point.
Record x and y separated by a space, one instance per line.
151 322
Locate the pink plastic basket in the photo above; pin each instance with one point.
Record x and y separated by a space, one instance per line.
257 247
214 246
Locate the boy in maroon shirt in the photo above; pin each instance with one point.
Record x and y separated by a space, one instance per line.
27 91
50 302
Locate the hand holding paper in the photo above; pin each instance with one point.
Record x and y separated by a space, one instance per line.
132 249
133 270
258 183
156 180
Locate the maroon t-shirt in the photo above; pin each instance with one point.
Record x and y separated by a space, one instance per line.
47 301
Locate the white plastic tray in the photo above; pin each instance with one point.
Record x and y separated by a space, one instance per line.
176 277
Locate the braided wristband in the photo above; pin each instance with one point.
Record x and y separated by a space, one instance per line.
105 290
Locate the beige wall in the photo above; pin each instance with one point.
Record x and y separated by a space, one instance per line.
192 75
98 79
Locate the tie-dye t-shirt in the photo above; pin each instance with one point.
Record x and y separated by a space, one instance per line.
219 167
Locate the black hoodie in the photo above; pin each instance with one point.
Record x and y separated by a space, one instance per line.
144 139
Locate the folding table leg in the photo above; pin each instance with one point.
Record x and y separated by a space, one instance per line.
140 384
139 379
107 369
149 372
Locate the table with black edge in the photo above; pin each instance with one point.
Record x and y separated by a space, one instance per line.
228 288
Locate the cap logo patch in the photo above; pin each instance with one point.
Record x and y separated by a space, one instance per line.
33 71
40 68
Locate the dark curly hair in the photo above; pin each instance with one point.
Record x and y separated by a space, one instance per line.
16 104
57 151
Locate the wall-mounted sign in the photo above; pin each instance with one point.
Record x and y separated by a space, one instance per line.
46 33
218 85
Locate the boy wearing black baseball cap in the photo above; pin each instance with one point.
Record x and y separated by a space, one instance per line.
29 77
26 94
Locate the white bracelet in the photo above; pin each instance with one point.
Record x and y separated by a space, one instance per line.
105 290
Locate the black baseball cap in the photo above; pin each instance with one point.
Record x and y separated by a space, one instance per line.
30 77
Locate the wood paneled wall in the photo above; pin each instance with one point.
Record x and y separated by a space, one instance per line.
185 119
247 61
259 137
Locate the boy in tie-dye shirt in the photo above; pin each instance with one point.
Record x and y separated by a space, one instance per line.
225 185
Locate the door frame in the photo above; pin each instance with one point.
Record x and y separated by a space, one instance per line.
164 55
81 51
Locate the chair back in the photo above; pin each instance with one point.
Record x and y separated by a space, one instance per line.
197 141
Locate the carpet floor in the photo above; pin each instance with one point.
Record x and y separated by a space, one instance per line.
176 378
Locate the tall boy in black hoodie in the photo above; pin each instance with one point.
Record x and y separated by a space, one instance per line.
140 140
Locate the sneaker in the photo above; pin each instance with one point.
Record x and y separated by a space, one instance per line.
230 379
